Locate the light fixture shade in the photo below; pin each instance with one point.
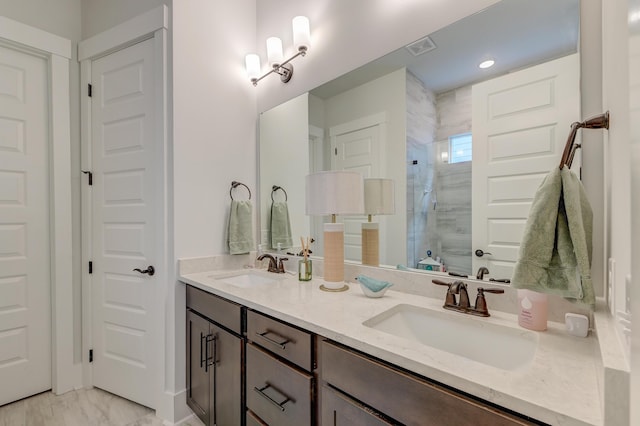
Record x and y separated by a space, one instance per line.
379 197
301 33
252 64
274 51
334 192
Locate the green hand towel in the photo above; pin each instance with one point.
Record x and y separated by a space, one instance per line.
240 235
280 227
555 253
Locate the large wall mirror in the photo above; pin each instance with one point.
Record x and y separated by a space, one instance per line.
466 147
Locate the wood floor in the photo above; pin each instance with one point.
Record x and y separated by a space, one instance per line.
84 407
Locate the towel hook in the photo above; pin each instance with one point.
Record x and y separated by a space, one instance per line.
234 185
274 188
598 122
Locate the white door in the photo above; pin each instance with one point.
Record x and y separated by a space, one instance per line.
359 151
520 125
25 287
124 209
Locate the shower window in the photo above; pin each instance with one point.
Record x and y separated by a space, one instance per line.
460 148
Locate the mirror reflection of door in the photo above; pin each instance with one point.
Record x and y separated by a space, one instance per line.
357 149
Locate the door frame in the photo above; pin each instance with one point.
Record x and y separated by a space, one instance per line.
153 24
65 371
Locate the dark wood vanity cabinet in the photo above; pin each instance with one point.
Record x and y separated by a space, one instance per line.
280 377
214 359
360 390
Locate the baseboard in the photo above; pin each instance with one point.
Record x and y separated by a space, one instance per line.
173 409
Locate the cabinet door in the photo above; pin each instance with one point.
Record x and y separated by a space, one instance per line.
199 384
340 410
227 370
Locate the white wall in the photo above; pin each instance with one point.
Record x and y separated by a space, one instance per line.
615 88
346 35
100 15
214 140
634 97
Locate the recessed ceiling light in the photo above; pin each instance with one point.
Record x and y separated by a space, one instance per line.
486 64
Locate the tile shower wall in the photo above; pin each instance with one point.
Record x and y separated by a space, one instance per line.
438 194
453 183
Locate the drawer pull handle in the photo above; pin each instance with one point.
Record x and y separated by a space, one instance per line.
280 344
261 392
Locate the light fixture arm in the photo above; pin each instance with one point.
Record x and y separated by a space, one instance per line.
285 69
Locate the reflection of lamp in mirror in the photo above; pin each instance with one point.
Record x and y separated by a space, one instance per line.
378 200
334 193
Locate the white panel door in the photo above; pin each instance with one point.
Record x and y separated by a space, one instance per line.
25 287
124 222
358 151
520 125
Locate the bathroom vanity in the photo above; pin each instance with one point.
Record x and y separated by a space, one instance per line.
282 379
312 357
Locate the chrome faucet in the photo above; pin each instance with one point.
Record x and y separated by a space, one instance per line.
276 265
481 272
460 288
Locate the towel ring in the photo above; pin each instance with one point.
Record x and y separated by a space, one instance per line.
234 185
274 188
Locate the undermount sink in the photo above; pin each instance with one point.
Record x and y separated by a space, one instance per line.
501 346
249 278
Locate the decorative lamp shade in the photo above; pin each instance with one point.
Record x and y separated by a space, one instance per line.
379 196
334 192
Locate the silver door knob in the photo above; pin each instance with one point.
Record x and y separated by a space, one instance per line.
150 270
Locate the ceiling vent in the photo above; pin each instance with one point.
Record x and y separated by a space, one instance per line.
421 46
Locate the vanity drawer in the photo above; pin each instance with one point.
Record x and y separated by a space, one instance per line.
253 420
222 311
282 339
278 394
403 397
338 409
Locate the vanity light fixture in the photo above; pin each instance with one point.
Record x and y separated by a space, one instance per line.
334 192
275 56
379 199
486 64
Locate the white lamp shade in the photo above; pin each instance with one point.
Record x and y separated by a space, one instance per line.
379 196
274 51
252 64
301 32
334 192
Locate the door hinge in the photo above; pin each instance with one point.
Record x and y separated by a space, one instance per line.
89 89
90 355
86 172
335 150
91 267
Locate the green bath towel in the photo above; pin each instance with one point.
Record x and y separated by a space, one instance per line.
280 227
555 254
240 233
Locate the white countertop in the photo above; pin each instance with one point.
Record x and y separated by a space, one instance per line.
560 387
